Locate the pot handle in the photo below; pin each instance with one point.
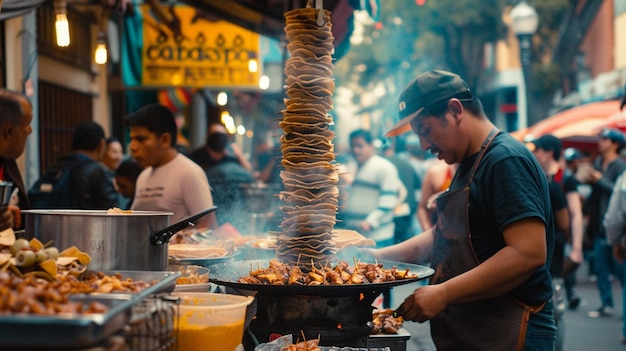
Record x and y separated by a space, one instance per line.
164 235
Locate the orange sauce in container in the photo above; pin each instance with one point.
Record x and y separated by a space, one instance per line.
193 337
209 321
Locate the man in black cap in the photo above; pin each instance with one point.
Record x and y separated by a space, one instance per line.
492 244
606 168
570 233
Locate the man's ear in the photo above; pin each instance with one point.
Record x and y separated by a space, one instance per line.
6 131
456 107
101 148
166 139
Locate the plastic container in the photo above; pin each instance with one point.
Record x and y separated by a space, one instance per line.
214 321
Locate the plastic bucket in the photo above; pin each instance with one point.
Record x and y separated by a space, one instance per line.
209 321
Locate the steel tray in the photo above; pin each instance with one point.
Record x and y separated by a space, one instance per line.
166 282
66 332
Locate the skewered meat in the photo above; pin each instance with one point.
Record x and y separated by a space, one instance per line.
363 273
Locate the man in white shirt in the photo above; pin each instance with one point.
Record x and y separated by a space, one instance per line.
374 193
170 181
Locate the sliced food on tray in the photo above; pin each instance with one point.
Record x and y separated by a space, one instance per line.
196 251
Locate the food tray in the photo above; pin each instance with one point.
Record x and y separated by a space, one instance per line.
66 332
166 283
228 274
204 262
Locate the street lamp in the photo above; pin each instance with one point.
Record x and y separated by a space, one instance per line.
524 20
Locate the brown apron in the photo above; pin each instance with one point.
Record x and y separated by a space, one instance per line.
494 324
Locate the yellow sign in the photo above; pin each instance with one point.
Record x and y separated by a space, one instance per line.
203 53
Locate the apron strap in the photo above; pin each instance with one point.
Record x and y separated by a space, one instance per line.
528 310
492 134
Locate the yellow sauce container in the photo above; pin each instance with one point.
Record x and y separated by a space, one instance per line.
209 321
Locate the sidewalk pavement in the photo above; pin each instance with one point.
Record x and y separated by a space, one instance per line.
581 333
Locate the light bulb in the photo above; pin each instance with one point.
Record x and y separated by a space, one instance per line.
253 66
61 25
264 82
222 98
101 54
62 28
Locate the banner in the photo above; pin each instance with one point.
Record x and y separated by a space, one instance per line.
203 53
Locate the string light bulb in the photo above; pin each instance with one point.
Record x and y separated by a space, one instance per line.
101 54
253 65
61 25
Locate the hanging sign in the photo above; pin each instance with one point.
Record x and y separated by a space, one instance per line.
202 53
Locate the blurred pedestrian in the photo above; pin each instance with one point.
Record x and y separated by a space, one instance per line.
89 186
569 236
436 181
126 179
405 213
111 159
374 192
615 225
203 157
606 168
113 153
228 181
170 181
547 151
15 118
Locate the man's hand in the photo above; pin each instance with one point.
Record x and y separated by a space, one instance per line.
576 255
6 218
594 176
364 226
424 304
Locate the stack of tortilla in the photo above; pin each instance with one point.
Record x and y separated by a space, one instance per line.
309 176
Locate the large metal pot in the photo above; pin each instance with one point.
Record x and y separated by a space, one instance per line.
122 241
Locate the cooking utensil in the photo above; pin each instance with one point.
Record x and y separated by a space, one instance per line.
204 262
6 190
227 274
163 236
135 241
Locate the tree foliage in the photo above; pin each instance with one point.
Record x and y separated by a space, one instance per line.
445 34
450 34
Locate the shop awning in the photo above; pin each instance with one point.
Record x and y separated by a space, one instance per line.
617 120
577 126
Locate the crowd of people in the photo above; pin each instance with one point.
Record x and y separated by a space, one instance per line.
500 221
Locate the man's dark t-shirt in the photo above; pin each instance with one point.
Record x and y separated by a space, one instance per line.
509 185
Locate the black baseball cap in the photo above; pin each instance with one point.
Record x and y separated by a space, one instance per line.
548 142
426 89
